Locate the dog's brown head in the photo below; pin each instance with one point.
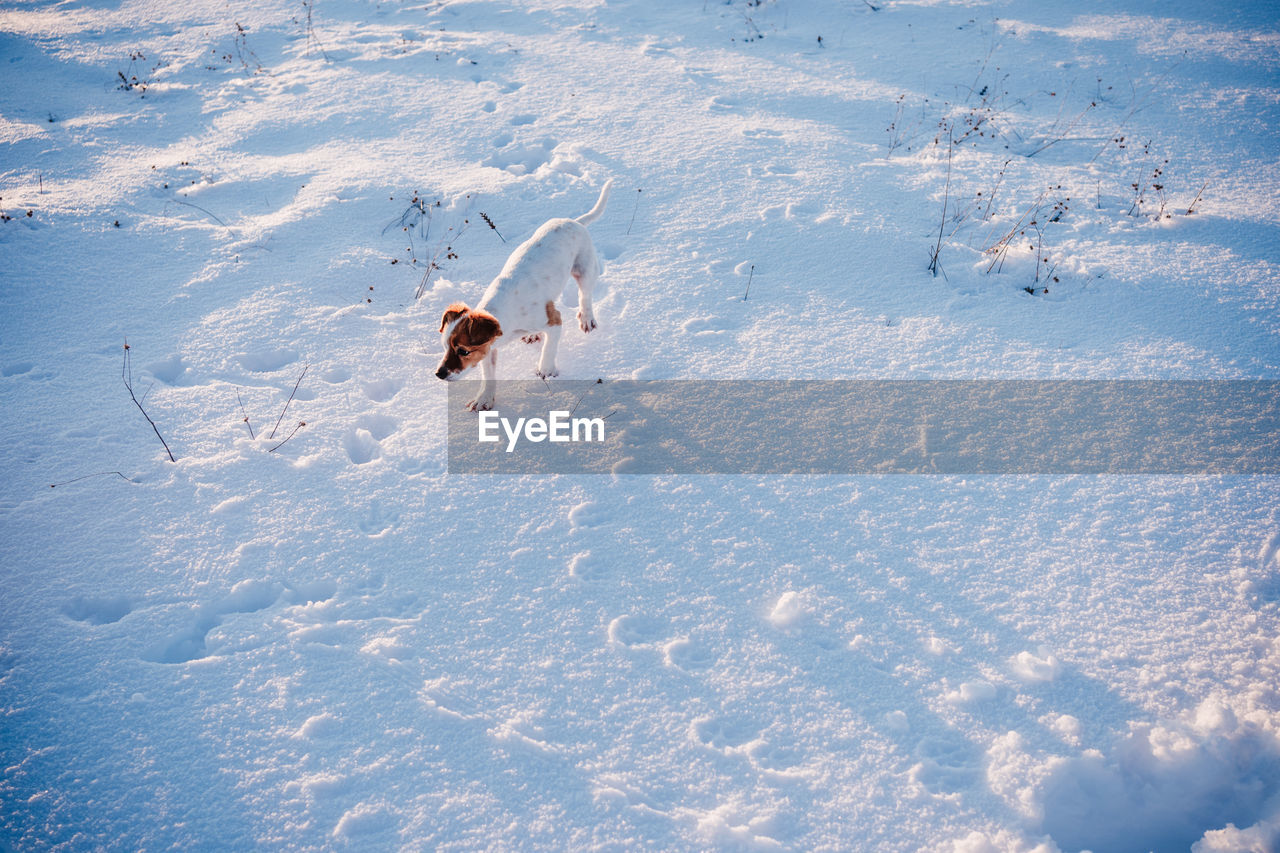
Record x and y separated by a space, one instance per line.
468 334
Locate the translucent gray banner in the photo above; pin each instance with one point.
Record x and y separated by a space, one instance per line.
868 427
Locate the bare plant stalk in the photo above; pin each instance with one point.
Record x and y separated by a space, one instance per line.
287 402
87 476
311 32
1057 134
246 415
1000 248
750 276
992 198
300 425
1191 208
633 210
946 198
445 247
494 228
126 374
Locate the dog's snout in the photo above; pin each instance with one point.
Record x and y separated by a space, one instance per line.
442 373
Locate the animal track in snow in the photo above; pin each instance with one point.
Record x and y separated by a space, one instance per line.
444 698
381 427
247 596
520 158
586 566
318 726
1265 588
377 520
267 361
726 735
17 368
608 250
793 211
363 442
775 757
27 370
365 820
320 786
707 328
383 390
1040 666
636 631
97 611
171 371
523 119
587 515
362 448
684 654
945 766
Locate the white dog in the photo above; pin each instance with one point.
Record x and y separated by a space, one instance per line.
521 302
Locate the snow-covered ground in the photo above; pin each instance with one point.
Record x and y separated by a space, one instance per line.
333 644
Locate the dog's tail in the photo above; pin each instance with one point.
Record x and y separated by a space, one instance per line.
596 212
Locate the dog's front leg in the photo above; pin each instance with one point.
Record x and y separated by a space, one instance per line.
488 386
547 360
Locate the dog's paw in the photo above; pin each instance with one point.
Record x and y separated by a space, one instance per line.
532 339
546 373
586 323
480 405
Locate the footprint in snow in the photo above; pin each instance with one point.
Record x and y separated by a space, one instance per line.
521 158
97 611
362 448
27 371
383 390
248 596
378 520
586 566
1265 587
267 361
587 515
726 735
171 371
706 329
945 766
636 631
365 821
687 655
317 726
776 756
381 427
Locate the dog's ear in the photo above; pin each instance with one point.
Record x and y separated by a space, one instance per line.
452 313
484 327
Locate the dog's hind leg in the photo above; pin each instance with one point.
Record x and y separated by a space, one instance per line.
585 271
550 342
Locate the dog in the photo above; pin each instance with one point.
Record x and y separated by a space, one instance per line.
521 302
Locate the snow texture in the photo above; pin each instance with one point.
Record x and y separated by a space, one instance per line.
312 638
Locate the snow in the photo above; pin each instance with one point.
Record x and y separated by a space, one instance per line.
330 643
